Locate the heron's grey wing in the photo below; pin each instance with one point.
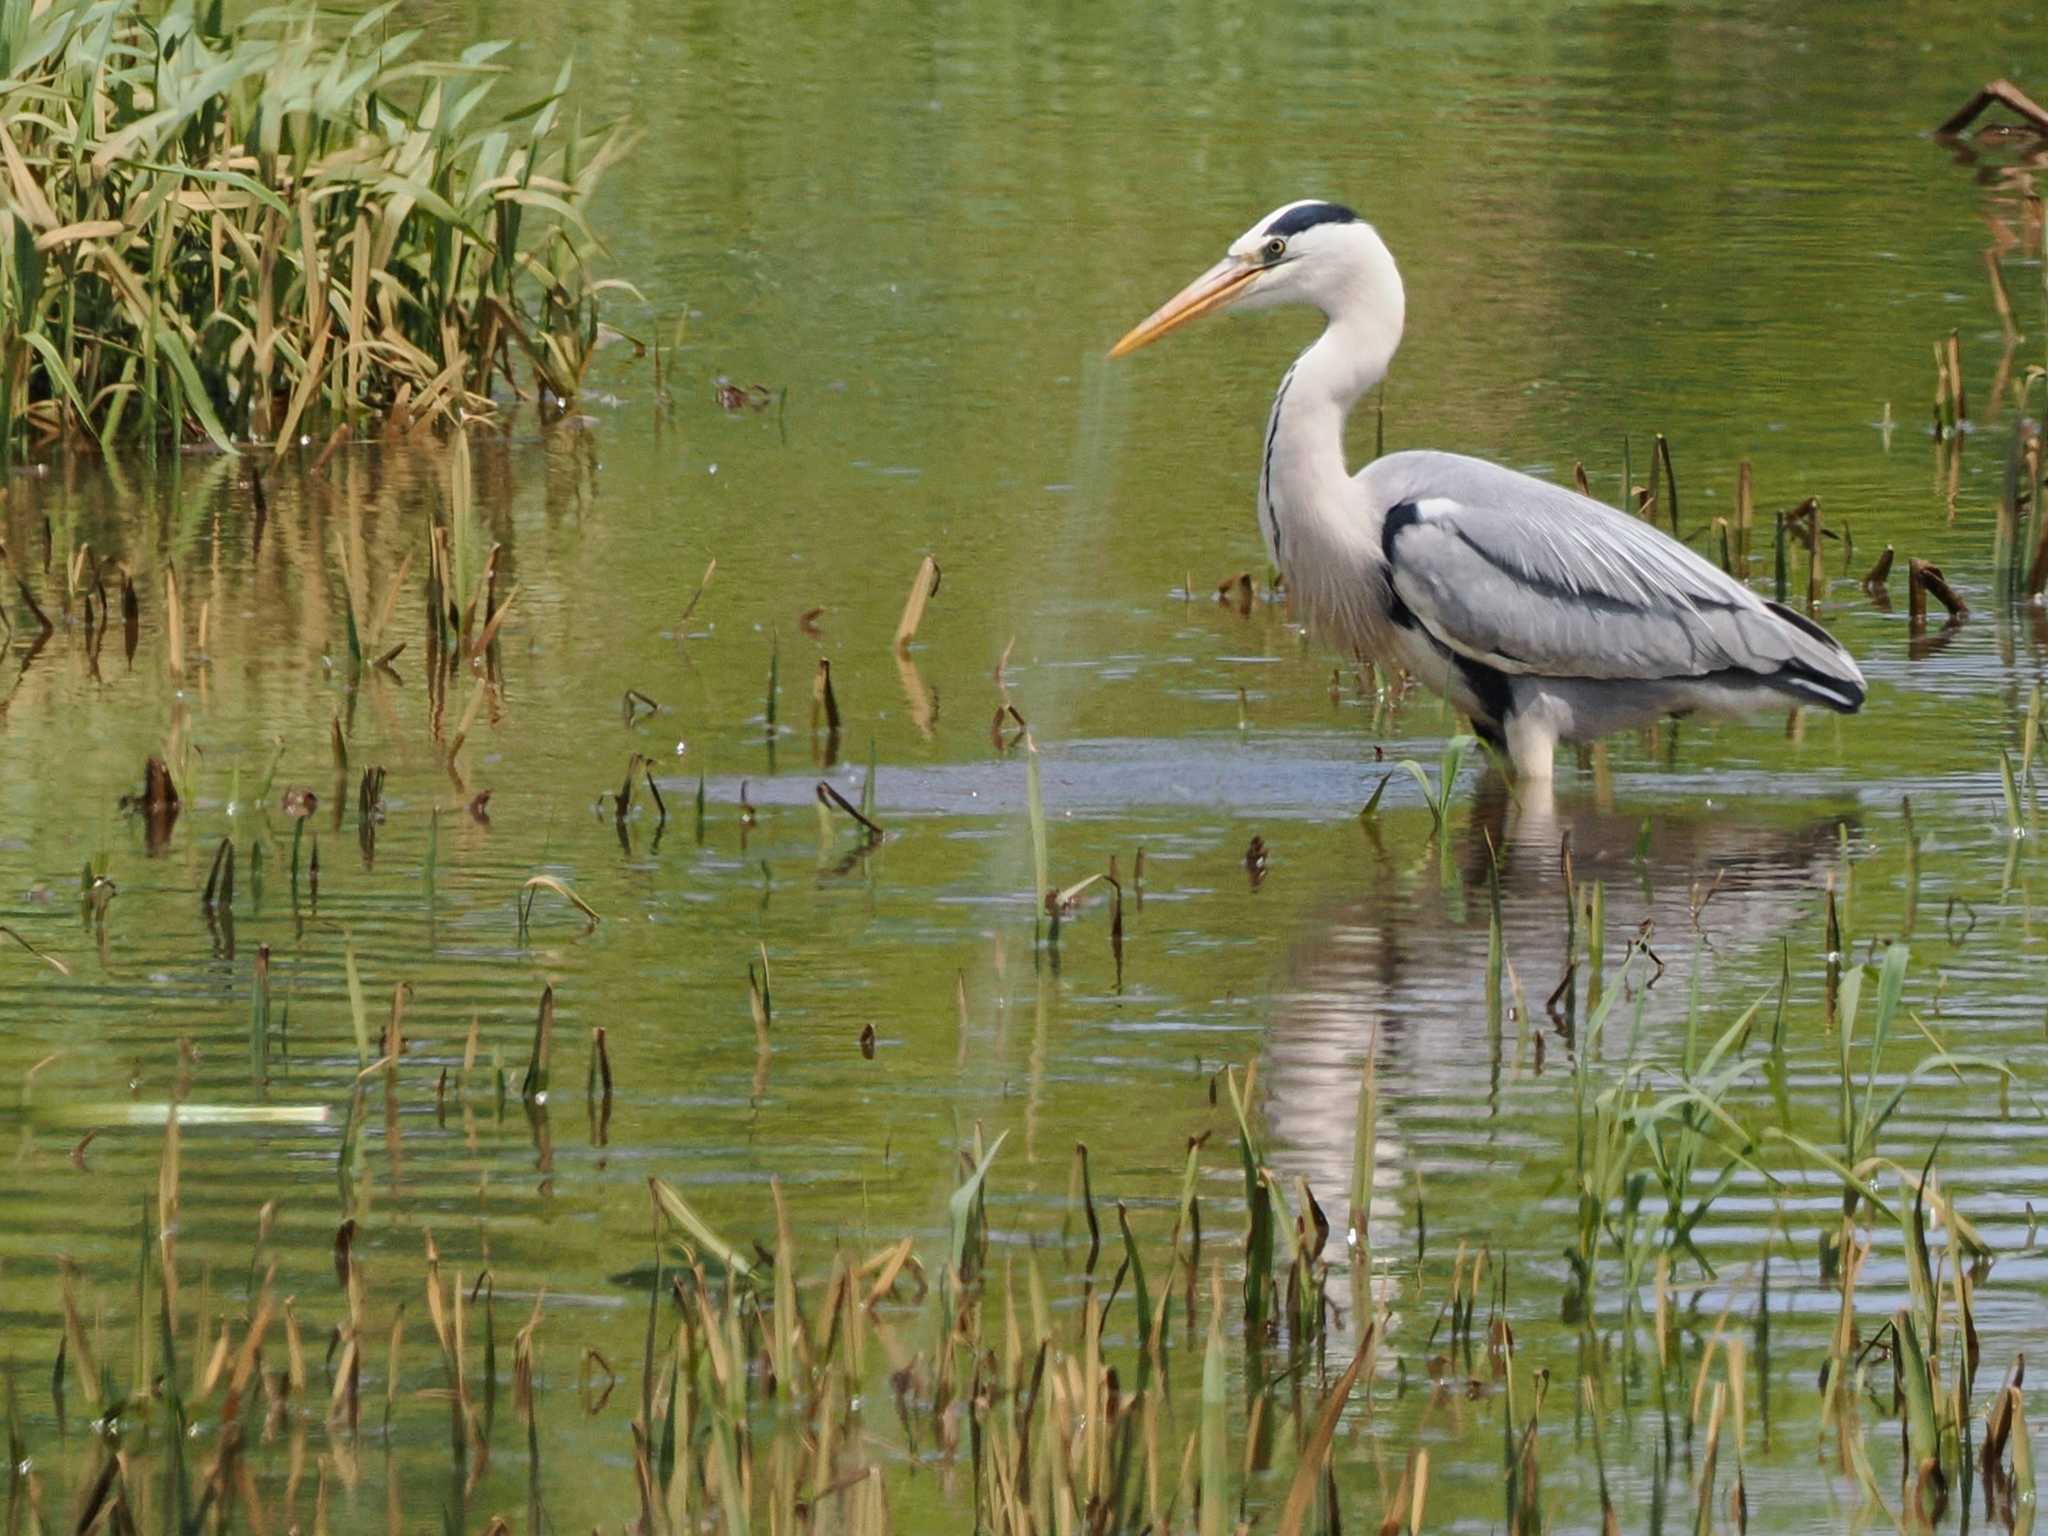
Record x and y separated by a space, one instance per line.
1530 578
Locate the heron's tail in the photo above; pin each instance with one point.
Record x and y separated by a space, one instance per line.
1819 670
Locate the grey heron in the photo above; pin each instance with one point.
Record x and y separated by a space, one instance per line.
1540 614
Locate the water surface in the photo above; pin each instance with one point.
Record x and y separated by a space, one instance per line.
926 225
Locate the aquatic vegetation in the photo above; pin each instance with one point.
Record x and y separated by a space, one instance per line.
279 226
1436 794
775 1384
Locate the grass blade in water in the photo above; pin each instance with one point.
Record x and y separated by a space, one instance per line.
1035 807
358 1012
1214 1425
672 1205
1301 1495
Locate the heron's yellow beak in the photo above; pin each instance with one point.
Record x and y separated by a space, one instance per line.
1212 290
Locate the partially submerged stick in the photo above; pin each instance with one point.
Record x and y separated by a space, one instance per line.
923 588
1999 92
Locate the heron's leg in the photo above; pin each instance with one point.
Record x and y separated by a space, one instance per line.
1532 745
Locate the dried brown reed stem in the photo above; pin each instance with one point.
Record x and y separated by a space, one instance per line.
831 797
1315 1452
697 597
158 792
538 883
1745 505
1661 453
1880 573
1923 577
535 1083
48 959
824 702
924 586
1944 396
489 633
462 729
1999 92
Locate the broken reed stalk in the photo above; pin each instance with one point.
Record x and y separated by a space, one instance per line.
2001 92
535 884
831 797
924 586
1661 452
1880 573
1745 511
1923 577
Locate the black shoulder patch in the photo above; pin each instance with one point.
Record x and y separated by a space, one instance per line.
1308 215
1404 514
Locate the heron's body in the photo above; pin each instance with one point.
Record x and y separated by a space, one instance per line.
1543 615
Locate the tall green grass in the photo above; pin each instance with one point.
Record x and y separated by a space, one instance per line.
279 226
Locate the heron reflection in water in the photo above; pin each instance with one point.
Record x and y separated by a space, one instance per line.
1409 965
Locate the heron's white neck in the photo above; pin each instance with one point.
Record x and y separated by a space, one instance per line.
1315 535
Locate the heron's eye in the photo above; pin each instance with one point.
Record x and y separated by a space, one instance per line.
1275 248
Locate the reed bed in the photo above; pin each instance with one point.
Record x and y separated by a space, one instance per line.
279 228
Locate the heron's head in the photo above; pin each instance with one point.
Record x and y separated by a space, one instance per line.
1310 252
